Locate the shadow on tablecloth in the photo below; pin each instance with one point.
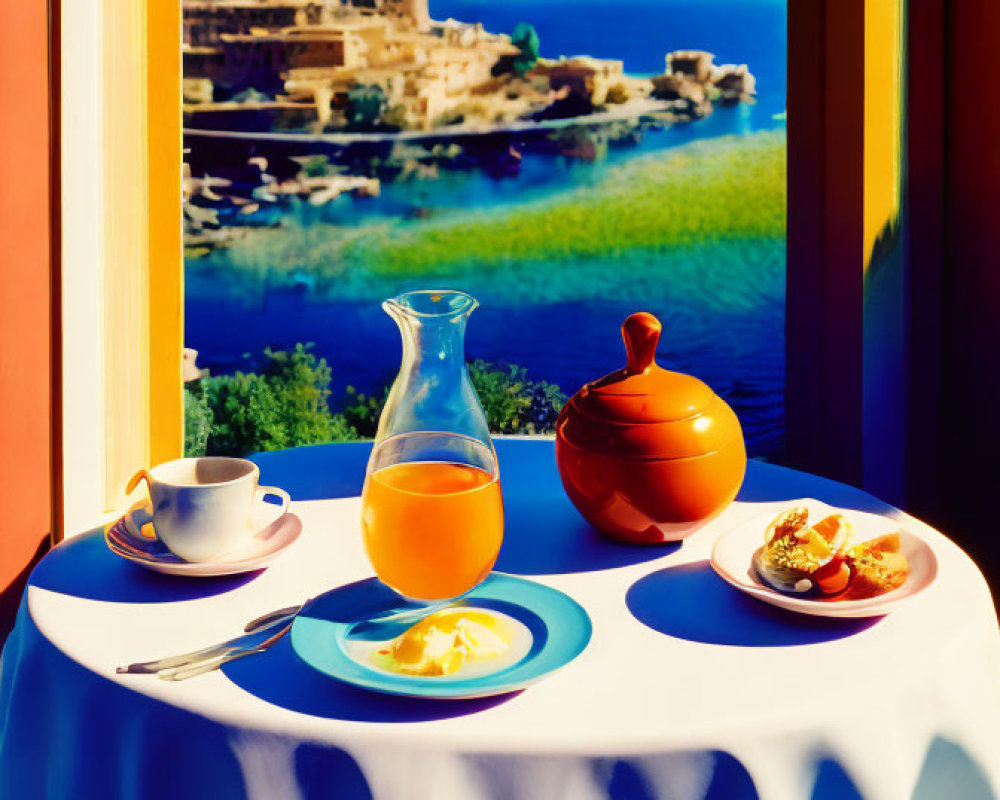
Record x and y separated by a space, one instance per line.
84 567
691 602
948 771
281 678
833 783
316 472
543 533
654 777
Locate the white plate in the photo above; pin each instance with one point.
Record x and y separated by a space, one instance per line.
273 537
733 552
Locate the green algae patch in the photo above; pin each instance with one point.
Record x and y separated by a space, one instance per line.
699 224
724 189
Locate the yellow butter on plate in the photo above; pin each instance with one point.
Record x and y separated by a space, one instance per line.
446 641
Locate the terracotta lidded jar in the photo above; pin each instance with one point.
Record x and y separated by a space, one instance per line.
648 455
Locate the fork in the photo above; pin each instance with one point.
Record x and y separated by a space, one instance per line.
201 666
256 624
230 647
197 662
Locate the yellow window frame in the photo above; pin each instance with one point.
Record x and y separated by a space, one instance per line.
122 260
144 236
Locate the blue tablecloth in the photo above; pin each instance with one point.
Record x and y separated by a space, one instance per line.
268 727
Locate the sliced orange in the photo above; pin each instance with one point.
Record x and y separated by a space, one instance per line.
882 544
833 577
835 530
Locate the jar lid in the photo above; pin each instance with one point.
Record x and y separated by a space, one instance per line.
643 391
645 411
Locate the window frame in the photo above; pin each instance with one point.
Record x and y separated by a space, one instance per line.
122 259
837 81
847 335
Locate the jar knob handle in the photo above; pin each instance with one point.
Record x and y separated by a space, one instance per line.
641 333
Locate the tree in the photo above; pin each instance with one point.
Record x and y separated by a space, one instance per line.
365 104
525 39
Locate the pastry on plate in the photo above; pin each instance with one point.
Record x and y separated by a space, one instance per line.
820 559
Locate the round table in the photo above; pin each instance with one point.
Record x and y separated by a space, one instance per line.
688 689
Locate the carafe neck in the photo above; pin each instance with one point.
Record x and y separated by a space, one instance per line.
433 391
432 325
433 346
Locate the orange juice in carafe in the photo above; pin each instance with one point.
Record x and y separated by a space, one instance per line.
432 512
432 529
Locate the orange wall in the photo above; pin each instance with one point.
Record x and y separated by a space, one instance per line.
26 468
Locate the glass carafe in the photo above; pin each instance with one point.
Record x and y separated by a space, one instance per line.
432 511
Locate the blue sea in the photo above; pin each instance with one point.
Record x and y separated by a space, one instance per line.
739 351
642 32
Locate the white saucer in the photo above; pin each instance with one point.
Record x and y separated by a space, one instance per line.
273 537
733 552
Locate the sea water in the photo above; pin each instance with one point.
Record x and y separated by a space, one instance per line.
570 335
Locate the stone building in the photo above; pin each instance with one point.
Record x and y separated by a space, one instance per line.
423 75
206 21
311 54
735 83
587 78
694 64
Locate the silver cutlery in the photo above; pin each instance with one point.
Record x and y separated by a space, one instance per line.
375 613
278 623
263 620
238 645
202 666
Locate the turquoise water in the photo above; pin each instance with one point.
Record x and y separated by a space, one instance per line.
564 329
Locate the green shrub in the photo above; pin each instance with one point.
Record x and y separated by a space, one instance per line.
525 39
246 415
197 422
365 104
285 405
302 386
362 411
512 402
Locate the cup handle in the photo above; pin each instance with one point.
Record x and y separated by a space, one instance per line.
137 519
141 475
263 491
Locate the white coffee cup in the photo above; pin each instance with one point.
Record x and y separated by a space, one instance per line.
203 507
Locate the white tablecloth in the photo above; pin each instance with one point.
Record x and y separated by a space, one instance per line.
687 691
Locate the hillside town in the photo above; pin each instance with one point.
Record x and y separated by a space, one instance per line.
302 101
385 65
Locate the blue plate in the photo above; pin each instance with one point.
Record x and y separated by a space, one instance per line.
560 630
